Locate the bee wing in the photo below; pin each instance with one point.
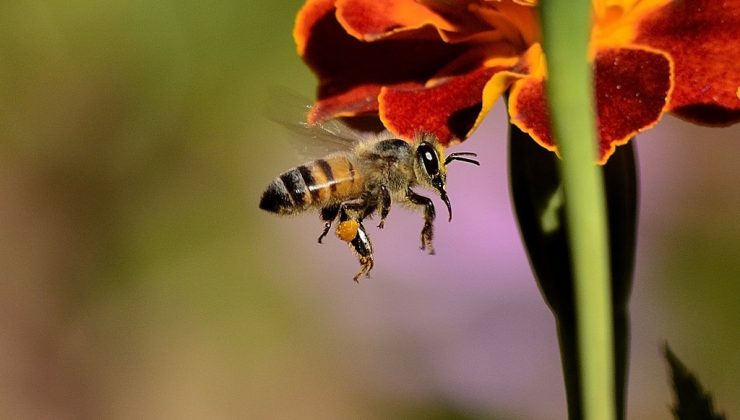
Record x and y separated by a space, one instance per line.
311 140
314 140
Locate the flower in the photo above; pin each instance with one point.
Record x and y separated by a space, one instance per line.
439 66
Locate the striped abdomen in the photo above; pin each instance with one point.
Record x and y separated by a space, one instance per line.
313 185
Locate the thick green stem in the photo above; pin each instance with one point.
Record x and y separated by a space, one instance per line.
565 31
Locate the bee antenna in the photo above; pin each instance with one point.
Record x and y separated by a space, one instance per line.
457 156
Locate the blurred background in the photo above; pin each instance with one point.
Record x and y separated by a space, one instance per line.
138 279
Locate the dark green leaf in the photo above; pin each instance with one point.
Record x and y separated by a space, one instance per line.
692 403
538 202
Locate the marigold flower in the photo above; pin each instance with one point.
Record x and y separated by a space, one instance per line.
439 66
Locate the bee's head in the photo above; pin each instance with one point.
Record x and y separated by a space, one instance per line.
431 170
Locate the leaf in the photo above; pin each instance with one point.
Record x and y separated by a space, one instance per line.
692 403
536 190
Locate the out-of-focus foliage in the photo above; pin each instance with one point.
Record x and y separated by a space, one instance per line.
692 402
139 279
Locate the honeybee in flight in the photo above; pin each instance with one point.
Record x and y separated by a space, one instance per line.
350 185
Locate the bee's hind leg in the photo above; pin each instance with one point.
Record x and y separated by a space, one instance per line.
328 214
364 250
351 230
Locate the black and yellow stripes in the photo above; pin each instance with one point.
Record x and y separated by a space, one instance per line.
310 182
295 186
314 184
327 172
347 181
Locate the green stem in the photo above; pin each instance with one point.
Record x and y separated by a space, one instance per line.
566 27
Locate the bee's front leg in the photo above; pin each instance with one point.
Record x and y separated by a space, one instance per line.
384 203
429 214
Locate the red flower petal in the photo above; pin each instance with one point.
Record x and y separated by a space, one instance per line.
701 36
346 65
529 111
372 19
448 109
310 13
360 100
632 87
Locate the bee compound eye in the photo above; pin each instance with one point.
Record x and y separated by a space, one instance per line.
428 157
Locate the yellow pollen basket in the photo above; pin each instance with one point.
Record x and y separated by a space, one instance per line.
347 230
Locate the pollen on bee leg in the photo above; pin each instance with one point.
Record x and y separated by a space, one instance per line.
347 230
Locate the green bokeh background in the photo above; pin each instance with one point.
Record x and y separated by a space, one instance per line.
138 279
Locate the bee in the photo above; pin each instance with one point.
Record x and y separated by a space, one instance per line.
351 185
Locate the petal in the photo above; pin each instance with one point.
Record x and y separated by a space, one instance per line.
701 36
346 65
632 90
616 21
372 19
527 107
529 111
633 87
495 87
310 13
516 23
448 109
531 63
356 101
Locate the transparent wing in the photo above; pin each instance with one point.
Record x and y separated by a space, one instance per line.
312 140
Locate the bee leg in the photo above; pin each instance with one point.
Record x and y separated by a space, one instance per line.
328 214
351 230
351 214
356 210
364 250
429 213
384 204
